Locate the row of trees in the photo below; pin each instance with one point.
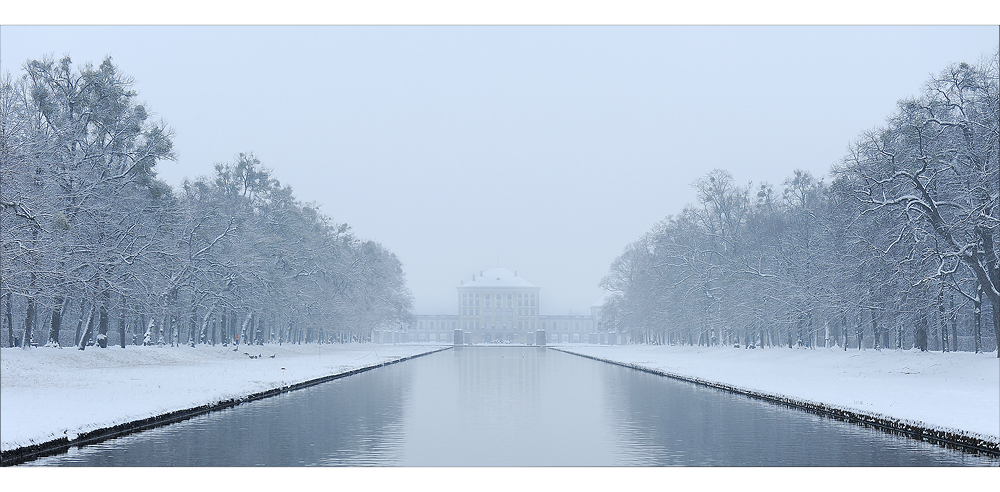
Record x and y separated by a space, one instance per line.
897 251
97 250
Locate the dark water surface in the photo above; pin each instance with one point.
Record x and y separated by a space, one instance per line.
511 406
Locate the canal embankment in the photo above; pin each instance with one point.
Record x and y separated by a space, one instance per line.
953 398
51 399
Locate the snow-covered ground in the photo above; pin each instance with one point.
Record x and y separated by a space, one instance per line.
48 393
957 390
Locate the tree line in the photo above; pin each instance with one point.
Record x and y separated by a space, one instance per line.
97 250
898 250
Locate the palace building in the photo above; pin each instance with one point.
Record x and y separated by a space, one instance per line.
498 306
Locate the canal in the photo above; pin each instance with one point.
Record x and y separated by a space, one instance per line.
511 406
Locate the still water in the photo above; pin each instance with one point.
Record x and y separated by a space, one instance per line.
511 406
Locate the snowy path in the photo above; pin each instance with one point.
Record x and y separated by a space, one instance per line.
49 393
958 390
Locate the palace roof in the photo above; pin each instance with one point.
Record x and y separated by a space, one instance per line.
498 277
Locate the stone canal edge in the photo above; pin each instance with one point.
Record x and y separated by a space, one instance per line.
952 438
24 454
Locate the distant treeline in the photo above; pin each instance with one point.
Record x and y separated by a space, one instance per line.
899 250
97 250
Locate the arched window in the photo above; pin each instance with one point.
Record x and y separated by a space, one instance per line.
510 312
489 313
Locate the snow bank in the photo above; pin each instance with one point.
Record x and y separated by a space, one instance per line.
50 393
957 390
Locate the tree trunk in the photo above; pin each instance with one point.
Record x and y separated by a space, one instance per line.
102 326
121 324
977 319
996 324
10 319
920 337
203 332
79 323
954 323
85 338
843 327
859 328
29 322
942 321
60 307
899 336
193 333
876 336
243 329
798 331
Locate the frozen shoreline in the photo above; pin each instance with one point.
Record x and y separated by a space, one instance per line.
950 392
48 394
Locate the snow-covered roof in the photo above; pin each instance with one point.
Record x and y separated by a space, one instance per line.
600 302
497 277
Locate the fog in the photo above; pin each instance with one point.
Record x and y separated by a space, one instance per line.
544 150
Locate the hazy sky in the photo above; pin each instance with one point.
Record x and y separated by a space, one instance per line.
551 148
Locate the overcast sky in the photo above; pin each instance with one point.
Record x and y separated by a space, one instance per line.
548 148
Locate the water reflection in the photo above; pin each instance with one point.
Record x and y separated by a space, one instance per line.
353 421
506 406
670 422
511 406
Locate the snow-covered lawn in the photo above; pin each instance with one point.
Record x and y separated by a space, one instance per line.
48 393
958 390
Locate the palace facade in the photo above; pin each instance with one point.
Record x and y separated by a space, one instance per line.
498 306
